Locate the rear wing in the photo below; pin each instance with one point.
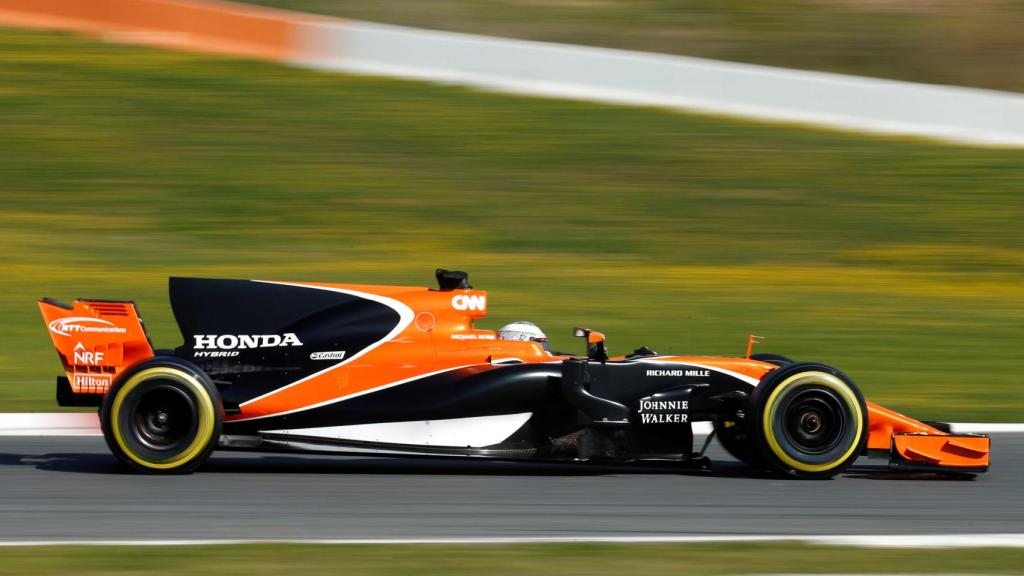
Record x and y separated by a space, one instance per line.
95 340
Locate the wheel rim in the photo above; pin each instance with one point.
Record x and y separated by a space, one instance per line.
814 420
163 418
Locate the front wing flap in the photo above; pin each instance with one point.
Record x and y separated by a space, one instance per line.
916 452
915 446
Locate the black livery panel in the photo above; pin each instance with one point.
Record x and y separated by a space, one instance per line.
254 337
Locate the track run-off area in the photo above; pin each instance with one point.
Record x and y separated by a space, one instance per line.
59 489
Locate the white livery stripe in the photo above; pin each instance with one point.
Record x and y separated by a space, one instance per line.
88 424
473 432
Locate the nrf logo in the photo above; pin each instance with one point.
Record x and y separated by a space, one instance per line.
469 302
86 357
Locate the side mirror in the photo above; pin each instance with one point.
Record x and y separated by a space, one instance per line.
595 343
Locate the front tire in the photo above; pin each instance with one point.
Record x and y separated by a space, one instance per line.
163 416
810 421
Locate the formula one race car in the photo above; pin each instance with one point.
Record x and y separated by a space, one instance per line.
393 370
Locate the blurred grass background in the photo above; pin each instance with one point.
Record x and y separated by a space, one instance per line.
585 559
900 262
977 43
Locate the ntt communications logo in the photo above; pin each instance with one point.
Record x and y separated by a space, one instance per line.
84 325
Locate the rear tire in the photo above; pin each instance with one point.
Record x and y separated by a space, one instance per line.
810 421
163 416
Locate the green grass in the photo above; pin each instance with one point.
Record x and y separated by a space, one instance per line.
588 559
900 262
976 43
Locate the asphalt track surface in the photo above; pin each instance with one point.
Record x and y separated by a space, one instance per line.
65 488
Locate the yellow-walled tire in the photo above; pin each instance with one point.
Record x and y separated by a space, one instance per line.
163 416
810 421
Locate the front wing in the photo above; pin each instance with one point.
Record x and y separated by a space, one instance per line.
915 446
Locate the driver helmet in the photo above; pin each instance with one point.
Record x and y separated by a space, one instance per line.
523 331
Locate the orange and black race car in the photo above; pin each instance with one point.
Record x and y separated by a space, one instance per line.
394 370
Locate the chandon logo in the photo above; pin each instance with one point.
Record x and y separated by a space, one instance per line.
244 341
84 325
469 302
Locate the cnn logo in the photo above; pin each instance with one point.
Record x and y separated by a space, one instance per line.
469 302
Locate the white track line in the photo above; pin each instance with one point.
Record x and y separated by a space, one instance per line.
50 424
985 427
869 541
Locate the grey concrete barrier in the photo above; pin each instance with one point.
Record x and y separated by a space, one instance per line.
956 114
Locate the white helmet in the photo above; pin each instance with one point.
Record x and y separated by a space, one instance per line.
523 331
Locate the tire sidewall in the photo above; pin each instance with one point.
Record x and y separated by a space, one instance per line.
189 377
760 399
